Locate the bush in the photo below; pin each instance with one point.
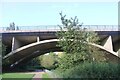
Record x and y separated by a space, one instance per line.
93 70
49 61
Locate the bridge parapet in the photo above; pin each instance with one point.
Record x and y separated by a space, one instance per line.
56 28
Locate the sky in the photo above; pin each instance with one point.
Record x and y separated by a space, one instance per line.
47 13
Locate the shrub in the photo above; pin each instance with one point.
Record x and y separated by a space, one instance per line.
48 61
99 70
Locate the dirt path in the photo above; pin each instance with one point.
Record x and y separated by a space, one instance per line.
37 75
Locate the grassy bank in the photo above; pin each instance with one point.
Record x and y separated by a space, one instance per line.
45 76
19 76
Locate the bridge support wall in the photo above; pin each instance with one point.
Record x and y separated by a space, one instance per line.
108 44
15 44
38 39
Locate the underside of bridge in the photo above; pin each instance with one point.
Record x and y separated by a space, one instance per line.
23 47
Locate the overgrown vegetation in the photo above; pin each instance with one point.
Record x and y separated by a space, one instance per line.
2 51
80 59
31 65
94 70
49 61
74 41
2 47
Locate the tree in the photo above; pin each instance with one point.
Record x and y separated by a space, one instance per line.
74 41
0 54
17 28
12 27
48 61
2 48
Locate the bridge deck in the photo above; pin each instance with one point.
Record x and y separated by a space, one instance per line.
56 28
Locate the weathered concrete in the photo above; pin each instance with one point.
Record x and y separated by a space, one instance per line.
38 39
33 49
42 47
108 44
15 44
30 37
33 44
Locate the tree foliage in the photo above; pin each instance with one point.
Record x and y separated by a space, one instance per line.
2 48
12 27
48 61
74 41
92 71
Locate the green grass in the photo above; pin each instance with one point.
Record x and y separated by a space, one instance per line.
14 76
0 76
45 76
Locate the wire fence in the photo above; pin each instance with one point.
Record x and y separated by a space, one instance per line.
57 28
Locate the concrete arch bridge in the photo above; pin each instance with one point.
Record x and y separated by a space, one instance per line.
24 45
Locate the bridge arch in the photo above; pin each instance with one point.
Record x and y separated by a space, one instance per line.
38 48
31 50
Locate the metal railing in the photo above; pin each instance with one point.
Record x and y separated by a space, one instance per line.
56 28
